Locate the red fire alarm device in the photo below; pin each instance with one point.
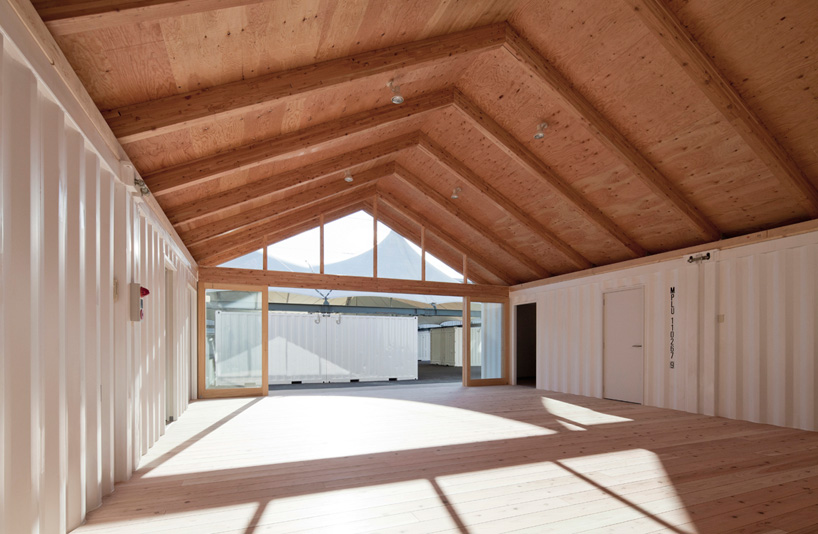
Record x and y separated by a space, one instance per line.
137 301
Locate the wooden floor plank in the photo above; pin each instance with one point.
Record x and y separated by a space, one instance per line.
442 458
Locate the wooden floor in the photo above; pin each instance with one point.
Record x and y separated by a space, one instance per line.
442 458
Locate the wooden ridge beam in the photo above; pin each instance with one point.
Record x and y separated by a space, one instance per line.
279 183
664 24
387 215
64 18
394 203
157 117
226 275
198 171
253 235
607 134
529 161
305 198
448 161
432 195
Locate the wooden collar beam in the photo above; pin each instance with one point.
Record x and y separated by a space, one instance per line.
226 275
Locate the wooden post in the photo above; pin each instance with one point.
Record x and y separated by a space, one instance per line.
423 253
375 237
465 269
264 253
321 220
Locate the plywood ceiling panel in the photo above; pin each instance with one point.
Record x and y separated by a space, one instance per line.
638 156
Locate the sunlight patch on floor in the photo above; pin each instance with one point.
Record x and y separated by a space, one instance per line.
579 414
307 428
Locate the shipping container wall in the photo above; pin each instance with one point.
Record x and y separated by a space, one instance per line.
733 336
84 391
424 346
447 346
340 348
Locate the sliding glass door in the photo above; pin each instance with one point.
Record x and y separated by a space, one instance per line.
486 342
233 350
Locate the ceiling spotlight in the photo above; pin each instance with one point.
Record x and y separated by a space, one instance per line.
396 97
541 130
456 193
348 177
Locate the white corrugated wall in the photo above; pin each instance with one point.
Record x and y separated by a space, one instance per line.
314 348
745 327
82 388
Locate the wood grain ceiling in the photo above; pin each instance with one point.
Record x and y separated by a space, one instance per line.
670 122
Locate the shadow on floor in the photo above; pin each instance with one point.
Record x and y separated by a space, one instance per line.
428 373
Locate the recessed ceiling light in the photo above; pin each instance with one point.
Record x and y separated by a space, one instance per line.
396 97
348 177
456 193
541 130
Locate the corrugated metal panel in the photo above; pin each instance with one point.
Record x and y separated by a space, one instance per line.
87 398
238 348
297 345
341 348
424 346
759 364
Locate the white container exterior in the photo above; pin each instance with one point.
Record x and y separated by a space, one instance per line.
340 348
745 328
424 346
84 391
447 346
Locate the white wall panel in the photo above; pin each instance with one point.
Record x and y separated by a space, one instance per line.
424 345
83 397
744 328
313 348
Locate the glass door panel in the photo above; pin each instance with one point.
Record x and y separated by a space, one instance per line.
487 343
234 340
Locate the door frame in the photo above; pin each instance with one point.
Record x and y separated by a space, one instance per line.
468 381
203 392
619 290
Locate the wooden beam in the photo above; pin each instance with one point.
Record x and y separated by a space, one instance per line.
64 18
201 170
423 253
394 203
432 195
306 198
673 35
606 133
225 275
447 160
280 183
418 238
529 161
250 234
157 117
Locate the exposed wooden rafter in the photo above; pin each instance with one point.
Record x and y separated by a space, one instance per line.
395 203
63 18
198 171
528 160
307 197
501 201
279 183
156 117
661 20
247 239
226 275
575 103
435 197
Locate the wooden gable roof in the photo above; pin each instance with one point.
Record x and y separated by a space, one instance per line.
670 122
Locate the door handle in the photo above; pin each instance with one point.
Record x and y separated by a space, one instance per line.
636 346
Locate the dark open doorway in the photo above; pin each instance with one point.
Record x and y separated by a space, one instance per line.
526 337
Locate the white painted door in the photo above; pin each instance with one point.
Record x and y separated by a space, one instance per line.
623 325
